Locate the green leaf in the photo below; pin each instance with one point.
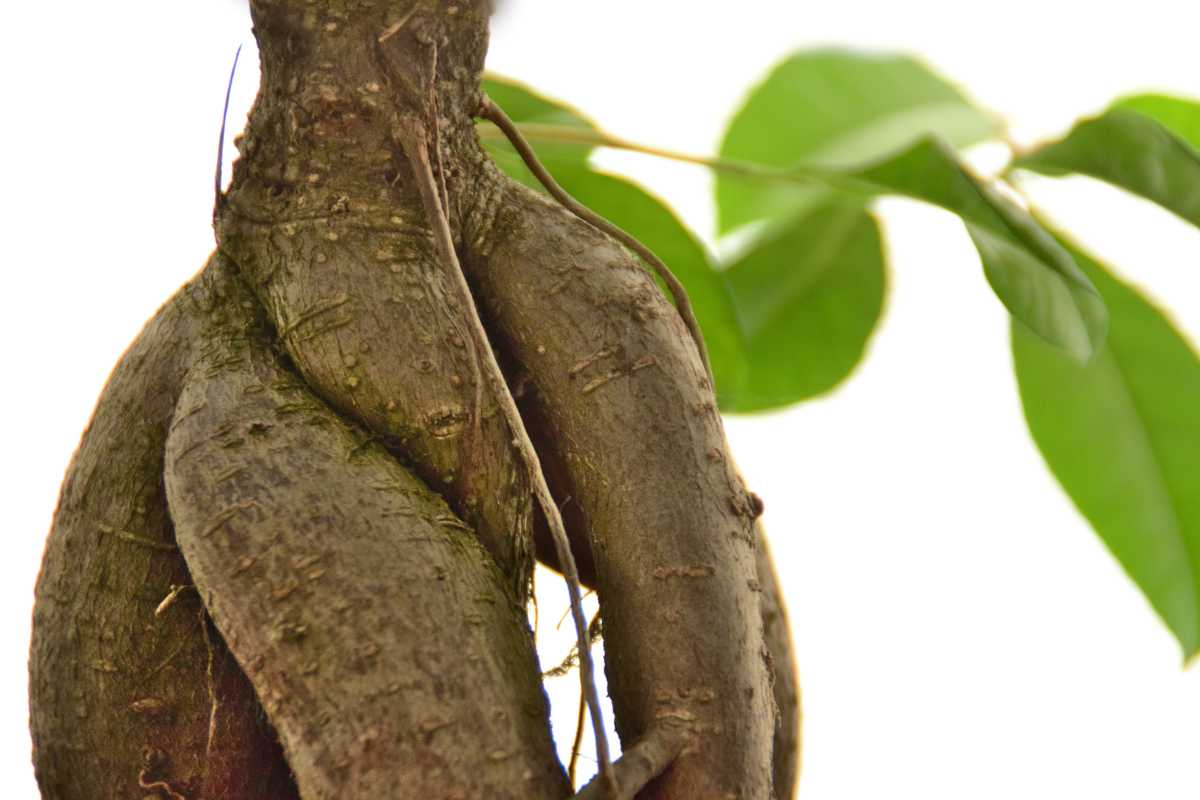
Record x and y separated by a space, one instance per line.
1180 116
1035 278
1145 145
835 108
808 298
1122 434
631 208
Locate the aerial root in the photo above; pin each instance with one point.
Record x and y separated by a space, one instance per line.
494 114
212 690
152 761
568 663
412 136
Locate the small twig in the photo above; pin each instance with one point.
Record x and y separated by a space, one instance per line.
575 745
567 613
170 599
799 173
594 631
412 137
494 114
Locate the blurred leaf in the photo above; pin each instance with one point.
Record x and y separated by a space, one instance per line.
1122 434
1146 145
835 108
1035 278
808 298
631 208
1181 117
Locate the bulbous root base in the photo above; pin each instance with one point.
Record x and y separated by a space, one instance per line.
317 434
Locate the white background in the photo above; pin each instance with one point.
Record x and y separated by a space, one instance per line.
961 632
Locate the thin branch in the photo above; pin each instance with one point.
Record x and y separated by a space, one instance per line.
491 112
412 135
729 166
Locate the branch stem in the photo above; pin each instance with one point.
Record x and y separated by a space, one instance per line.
747 169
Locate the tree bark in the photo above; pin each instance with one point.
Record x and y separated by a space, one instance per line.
628 407
120 695
380 637
304 436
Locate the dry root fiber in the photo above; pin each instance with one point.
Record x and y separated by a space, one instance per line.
318 435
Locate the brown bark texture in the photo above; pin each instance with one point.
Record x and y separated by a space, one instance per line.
292 554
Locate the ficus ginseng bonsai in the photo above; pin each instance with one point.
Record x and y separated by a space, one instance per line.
320 435
292 555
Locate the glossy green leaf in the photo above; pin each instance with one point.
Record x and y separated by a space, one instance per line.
632 209
1145 145
1178 115
808 298
1035 278
1122 434
835 108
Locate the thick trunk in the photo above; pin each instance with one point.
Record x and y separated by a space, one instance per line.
381 638
311 392
121 695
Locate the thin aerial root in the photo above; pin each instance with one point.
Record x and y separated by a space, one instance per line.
594 632
158 786
572 660
577 743
212 691
154 760
639 765
494 114
220 196
411 135
435 114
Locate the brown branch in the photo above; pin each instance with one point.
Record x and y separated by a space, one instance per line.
494 114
